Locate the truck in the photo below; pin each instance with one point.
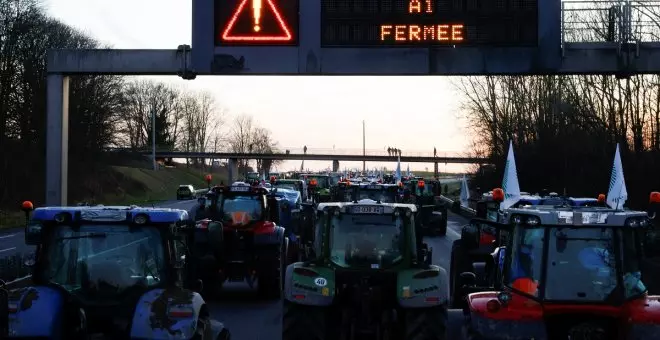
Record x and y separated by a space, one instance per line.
372 278
237 238
107 273
566 272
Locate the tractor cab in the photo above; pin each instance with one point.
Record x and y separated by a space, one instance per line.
372 277
104 271
238 238
566 272
342 191
293 184
318 186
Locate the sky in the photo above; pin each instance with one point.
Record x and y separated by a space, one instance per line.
410 113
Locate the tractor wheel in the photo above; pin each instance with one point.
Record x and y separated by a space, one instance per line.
459 263
426 323
300 322
272 264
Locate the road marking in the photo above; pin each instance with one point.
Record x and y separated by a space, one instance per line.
7 236
8 249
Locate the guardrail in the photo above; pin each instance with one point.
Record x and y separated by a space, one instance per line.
457 208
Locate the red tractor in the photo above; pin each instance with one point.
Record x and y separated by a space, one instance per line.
237 239
566 273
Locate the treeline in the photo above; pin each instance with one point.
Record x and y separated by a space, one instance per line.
104 111
565 128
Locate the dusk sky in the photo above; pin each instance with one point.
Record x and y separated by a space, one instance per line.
411 113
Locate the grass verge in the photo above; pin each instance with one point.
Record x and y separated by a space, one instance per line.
121 185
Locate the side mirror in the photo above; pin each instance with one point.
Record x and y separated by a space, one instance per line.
33 233
468 279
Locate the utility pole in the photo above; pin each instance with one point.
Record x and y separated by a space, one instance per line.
153 137
364 148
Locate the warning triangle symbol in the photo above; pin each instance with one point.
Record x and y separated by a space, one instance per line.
257 20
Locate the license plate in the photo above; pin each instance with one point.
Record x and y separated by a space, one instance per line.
367 210
240 188
373 187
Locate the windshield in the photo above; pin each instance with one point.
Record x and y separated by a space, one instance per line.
242 209
381 194
584 255
98 262
372 241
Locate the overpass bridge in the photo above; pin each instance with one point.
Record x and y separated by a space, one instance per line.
334 155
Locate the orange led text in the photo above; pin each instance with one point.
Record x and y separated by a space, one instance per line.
419 6
407 33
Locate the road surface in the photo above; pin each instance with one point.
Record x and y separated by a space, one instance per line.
247 317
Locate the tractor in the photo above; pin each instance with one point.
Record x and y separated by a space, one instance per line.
237 239
318 187
372 278
565 272
107 273
432 217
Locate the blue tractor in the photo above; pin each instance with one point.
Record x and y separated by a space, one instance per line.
109 273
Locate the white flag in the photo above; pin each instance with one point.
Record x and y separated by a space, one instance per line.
617 194
465 192
510 183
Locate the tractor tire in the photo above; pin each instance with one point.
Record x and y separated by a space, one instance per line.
426 323
300 322
458 264
272 264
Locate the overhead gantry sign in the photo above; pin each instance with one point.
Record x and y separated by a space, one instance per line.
355 37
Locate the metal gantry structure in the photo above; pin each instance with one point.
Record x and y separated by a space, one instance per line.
562 47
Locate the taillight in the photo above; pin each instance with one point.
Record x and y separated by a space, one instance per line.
180 312
305 272
432 299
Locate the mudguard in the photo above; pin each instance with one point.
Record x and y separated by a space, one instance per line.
274 237
153 320
38 312
312 286
509 323
419 288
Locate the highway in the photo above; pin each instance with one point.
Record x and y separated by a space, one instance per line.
246 316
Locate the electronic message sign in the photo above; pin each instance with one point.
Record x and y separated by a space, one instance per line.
409 23
256 22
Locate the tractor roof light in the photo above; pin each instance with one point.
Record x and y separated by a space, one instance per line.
498 195
27 206
601 198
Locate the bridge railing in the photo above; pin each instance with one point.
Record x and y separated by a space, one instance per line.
610 21
321 151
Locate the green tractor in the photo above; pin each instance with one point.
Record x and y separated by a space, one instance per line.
372 277
318 186
432 216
